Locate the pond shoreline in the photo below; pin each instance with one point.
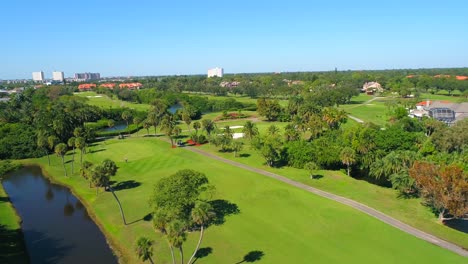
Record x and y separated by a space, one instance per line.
19 232
111 242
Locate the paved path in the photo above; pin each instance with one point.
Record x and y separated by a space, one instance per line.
366 102
359 206
356 119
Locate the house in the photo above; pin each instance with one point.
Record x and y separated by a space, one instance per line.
445 111
108 85
371 88
86 86
131 86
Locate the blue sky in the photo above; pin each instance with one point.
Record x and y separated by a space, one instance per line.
188 37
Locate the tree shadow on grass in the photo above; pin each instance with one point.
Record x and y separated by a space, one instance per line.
202 252
145 218
252 256
316 176
458 224
124 185
244 155
223 208
5 199
97 150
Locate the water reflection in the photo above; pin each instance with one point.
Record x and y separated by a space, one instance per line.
49 194
57 229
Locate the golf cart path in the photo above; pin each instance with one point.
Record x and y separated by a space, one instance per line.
366 102
356 205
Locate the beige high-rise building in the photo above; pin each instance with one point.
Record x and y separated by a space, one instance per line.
57 76
218 72
38 76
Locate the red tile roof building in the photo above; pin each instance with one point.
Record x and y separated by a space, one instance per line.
108 85
86 86
131 86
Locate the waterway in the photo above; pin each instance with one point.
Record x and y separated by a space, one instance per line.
56 226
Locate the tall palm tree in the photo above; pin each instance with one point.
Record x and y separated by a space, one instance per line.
168 125
196 125
187 120
250 130
176 235
208 125
43 143
228 131
71 143
126 116
80 144
201 214
60 150
146 125
348 157
144 249
137 121
51 142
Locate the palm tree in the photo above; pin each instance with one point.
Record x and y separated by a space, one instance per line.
80 144
236 147
273 130
143 249
42 143
291 133
146 125
137 121
250 130
201 214
126 116
71 143
187 120
110 123
333 117
196 125
60 150
51 142
348 157
160 223
208 125
168 125
228 131
176 235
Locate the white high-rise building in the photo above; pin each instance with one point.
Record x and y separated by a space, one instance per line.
38 76
218 72
58 76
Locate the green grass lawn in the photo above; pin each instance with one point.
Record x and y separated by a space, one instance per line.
284 223
106 102
12 249
455 99
410 211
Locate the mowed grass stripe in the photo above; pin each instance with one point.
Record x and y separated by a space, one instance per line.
287 224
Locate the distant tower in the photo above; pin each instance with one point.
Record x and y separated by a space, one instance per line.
38 76
216 72
57 76
336 70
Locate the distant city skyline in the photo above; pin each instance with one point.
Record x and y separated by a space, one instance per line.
186 37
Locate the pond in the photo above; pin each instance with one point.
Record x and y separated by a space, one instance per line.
174 108
116 127
56 226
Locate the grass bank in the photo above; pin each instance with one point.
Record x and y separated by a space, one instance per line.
12 247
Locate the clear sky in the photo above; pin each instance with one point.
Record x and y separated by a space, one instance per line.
187 37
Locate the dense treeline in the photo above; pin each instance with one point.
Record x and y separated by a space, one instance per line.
32 123
389 156
284 85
